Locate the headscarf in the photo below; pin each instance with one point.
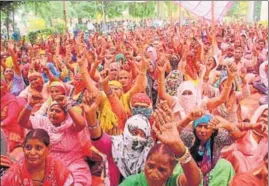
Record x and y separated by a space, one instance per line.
206 164
58 131
258 113
119 57
130 152
153 53
34 74
142 99
189 102
246 179
115 83
172 82
114 66
59 85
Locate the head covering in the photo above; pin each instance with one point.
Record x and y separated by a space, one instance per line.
205 119
258 113
42 52
114 66
130 152
206 163
119 57
59 85
189 102
33 74
153 53
172 82
141 98
115 83
246 179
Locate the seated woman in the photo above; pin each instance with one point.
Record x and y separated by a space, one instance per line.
250 149
55 88
9 114
126 154
205 143
189 96
163 158
13 75
37 167
64 126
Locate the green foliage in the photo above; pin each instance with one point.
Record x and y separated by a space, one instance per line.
32 36
114 9
238 9
142 10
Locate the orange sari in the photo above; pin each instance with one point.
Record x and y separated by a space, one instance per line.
55 174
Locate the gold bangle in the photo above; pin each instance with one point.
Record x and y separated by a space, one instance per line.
186 157
142 73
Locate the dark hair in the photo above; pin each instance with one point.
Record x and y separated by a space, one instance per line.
40 134
195 148
162 150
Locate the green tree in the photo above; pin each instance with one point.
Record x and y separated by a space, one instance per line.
142 10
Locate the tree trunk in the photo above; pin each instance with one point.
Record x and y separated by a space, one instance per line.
79 20
7 24
13 19
50 22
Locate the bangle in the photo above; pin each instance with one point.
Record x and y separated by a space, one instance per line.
142 73
93 127
160 82
186 157
28 107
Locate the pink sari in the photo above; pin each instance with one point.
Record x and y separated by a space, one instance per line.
9 115
245 154
56 174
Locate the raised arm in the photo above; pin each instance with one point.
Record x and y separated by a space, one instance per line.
89 83
161 84
78 121
90 108
166 131
14 57
25 114
224 95
141 80
114 100
218 122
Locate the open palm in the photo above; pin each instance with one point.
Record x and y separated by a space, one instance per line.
165 129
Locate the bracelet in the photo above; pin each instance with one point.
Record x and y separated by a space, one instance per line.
186 157
93 127
28 107
161 82
142 73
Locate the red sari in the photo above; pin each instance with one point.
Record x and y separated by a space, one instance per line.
9 114
55 174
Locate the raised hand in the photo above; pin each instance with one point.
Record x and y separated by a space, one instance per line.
218 122
10 45
35 98
161 65
260 126
105 76
164 128
231 70
61 100
195 114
